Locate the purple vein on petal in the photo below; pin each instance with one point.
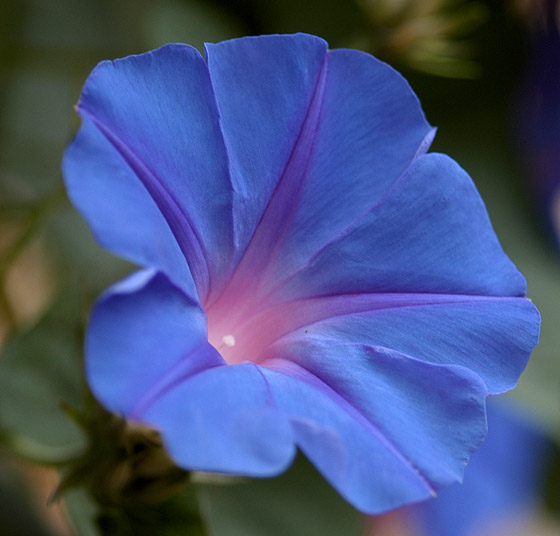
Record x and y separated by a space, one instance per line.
269 395
297 370
303 313
276 216
349 228
215 291
273 323
177 219
201 358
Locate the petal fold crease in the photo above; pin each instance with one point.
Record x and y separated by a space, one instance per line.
429 233
144 336
382 427
167 130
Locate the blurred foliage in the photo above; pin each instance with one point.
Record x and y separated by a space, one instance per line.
18 513
51 270
432 36
295 503
38 370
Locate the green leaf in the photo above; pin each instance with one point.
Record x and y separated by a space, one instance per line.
297 503
38 370
80 257
81 512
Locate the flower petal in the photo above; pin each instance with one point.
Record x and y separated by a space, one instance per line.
342 128
491 336
222 420
144 335
158 112
282 197
371 128
264 88
383 428
123 216
430 233
502 483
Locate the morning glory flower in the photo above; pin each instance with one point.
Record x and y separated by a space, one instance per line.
502 485
312 279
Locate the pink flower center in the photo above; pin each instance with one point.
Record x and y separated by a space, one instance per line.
238 330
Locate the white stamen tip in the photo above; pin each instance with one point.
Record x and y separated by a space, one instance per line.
228 340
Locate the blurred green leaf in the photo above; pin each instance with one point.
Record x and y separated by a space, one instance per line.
174 517
81 260
38 369
81 512
298 503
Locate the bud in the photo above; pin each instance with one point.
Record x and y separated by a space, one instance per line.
125 466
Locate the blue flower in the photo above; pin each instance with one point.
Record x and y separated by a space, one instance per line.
313 279
502 484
